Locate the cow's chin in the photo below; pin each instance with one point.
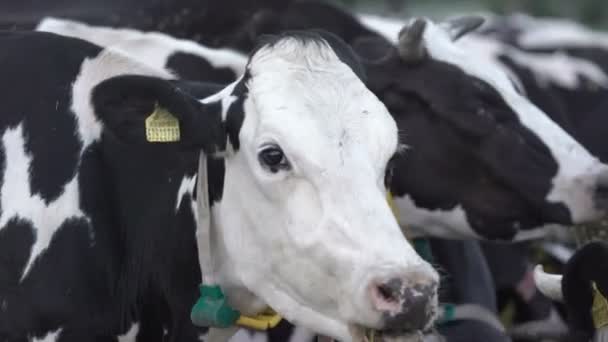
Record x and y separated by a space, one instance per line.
359 333
315 321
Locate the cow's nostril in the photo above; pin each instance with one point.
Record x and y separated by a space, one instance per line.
386 296
387 293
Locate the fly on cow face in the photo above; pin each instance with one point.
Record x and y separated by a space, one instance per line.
477 147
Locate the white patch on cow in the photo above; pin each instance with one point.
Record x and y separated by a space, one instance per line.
548 68
420 222
186 187
151 48
50 337
283 237
225 97
93 71
18 201
578 171
555 32
131 335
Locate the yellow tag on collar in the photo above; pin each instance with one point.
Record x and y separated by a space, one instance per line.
162 126
263 321
599 310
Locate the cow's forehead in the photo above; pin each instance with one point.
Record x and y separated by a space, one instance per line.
312 96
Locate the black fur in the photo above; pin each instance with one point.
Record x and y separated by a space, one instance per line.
191 67
587 265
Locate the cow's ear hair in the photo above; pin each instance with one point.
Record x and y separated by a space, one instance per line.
149 110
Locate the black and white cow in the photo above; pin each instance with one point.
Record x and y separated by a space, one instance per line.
570 59
98 224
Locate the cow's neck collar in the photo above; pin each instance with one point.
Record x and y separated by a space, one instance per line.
212 308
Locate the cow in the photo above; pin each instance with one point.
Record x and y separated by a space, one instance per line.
100 209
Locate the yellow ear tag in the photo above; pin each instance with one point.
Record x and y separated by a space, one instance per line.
599 310
162 126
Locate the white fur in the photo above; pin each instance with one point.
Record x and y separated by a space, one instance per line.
300 240
185 187
131 335
50 337
548 284
549 68
555 32
151 48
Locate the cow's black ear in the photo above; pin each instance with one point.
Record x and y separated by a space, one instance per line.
149 110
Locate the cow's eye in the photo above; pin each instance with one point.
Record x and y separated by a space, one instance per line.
273 158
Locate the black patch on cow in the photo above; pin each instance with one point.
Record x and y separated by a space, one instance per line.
62 283
584 267
216 172
198 90
322 38
467 147
42 104
16 241
196 68
236 113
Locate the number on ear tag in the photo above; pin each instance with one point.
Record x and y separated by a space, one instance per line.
162 126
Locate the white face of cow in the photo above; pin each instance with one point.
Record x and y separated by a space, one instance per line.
303 224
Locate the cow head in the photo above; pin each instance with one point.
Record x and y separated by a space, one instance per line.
298 151
483 160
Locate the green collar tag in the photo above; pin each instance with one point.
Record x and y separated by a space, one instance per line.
212 310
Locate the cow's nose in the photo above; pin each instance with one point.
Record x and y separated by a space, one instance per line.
407 302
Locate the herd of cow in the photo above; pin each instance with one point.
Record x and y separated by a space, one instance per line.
146 147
